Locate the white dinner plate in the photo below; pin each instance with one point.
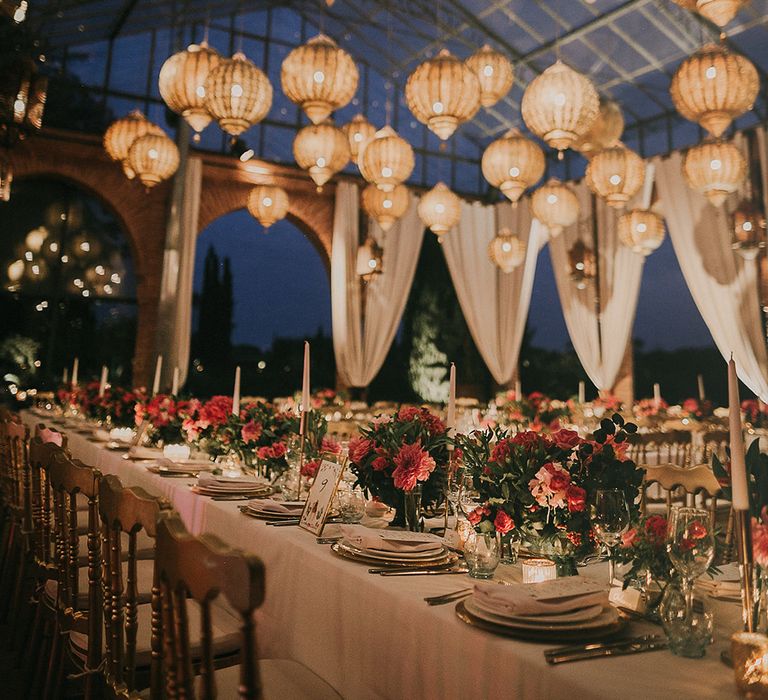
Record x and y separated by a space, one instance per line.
398 557
607 617
581 615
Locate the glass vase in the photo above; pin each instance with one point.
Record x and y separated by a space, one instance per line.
509 546
412 509
482 552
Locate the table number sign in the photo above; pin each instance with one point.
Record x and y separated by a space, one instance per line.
320 497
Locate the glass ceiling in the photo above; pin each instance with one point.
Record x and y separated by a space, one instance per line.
629 48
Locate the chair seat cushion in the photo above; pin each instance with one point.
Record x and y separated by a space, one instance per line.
144 578
281 679
226 635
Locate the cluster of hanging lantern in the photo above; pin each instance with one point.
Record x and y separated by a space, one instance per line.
714 168
641 230
268 204
385 207
513 163
616 174
142 148
582 264
370 260
749 229
720 12
440 209
555 205
507 251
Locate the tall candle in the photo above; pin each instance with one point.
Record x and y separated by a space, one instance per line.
450 419
739 490
158 370
700 382
305 403
236 394
65 376
175 385
582 392
103 380
518 390
75 367
657 395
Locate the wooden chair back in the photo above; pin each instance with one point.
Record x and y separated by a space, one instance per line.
714 442
41 455
693 481
199 569
657 448
17 436
128 511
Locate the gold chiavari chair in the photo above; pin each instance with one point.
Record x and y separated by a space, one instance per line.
342 430
193 572
714 442
653 449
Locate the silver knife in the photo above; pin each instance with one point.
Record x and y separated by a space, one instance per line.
597 650
421 572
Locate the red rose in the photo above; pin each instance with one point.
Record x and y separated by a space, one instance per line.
279 450
408 413
566 439
501 451
528 439
697 530
310 468
477 514
656 528
560 480
577 498
503 523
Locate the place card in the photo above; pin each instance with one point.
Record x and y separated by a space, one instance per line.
320 497
566 587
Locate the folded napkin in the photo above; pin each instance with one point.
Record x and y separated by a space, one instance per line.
212 479
101 434
267 505
402 542
547 598
140 452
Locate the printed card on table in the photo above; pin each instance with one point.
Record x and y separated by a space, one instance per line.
320 497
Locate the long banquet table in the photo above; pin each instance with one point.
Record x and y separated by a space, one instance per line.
374 637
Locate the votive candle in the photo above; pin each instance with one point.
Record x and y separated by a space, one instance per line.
177 453
538 570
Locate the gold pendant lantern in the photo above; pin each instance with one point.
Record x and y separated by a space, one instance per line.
387 160
359 132
713 87
641 230
121 134
556 206
494 72
582 265
319 77
560 106
507 251
616 174
322 150
604 133
719 11
153 158
749 230
513 163
443 92
268 204
385 207
714 168
182 83
370 260
440 209
237 94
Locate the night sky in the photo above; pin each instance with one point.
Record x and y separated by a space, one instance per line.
281 289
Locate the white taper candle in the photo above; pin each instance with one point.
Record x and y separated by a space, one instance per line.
75 367
158 371
103 380
175 385
236 394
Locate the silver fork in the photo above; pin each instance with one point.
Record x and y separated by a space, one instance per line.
448 597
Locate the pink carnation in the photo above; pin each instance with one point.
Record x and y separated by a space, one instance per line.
412 464
330 446
251 431
359 449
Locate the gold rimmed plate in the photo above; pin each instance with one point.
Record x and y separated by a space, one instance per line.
546 635
447 559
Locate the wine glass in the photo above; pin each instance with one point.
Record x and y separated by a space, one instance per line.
691 547
610 518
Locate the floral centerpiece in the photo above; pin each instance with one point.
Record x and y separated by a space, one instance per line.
755 413
649 408
165 416
115 408
402 454
698 410
542 485
537 410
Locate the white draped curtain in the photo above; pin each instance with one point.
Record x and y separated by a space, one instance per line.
494 303
723 285
175 310
365 321
599 324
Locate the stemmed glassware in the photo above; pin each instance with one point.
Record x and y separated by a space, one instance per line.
691 547
610 519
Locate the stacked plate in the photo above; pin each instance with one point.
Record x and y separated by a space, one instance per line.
268 509
393 549
725 585
185 467
551 613
222 486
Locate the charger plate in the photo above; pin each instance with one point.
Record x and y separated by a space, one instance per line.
544 635
447 560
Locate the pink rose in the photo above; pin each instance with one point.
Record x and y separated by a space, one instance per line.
577 498
503 523
476 515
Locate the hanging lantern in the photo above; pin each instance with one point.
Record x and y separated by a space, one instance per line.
6 179
582 265
494 72
370 260
387 160
182 83
616 174
121 134
560 106
322 150
359 132
442 93
513 163
153 158
605 131
641 230
506 251
319 77
713 87
714 168
385 207
440 209
237 94
267 204
749 230
556 206
719 11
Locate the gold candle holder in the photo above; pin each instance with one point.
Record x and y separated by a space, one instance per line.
749 653
743 533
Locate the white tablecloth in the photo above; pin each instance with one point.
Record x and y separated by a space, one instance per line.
374 637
